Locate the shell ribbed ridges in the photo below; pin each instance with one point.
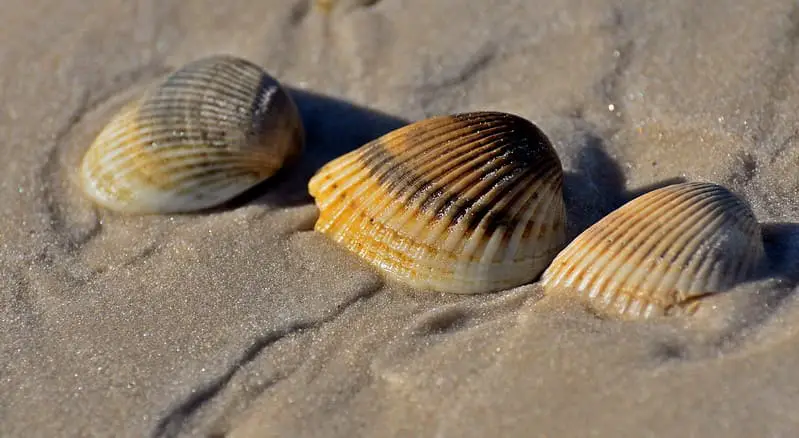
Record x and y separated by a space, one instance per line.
465 203
660 252
211 130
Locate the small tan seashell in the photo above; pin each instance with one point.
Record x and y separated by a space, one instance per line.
208 132
467 203
660 253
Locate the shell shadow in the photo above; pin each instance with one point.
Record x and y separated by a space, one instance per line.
781 241
596 186
333 127
593 189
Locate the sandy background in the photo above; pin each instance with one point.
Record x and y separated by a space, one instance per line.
244 322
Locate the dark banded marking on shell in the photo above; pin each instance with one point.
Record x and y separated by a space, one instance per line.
208 132
660 253
466 203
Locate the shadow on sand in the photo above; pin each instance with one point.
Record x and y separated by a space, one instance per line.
782 247
333 127
597 187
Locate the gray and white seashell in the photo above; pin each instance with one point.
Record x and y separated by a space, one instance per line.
211 130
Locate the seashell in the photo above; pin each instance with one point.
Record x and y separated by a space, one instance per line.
660 253
208 132
467 203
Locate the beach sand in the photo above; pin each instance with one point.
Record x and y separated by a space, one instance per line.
243 322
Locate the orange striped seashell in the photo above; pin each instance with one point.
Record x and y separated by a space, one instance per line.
660 253
213 129
467 203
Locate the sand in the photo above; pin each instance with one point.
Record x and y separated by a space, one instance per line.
243 322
